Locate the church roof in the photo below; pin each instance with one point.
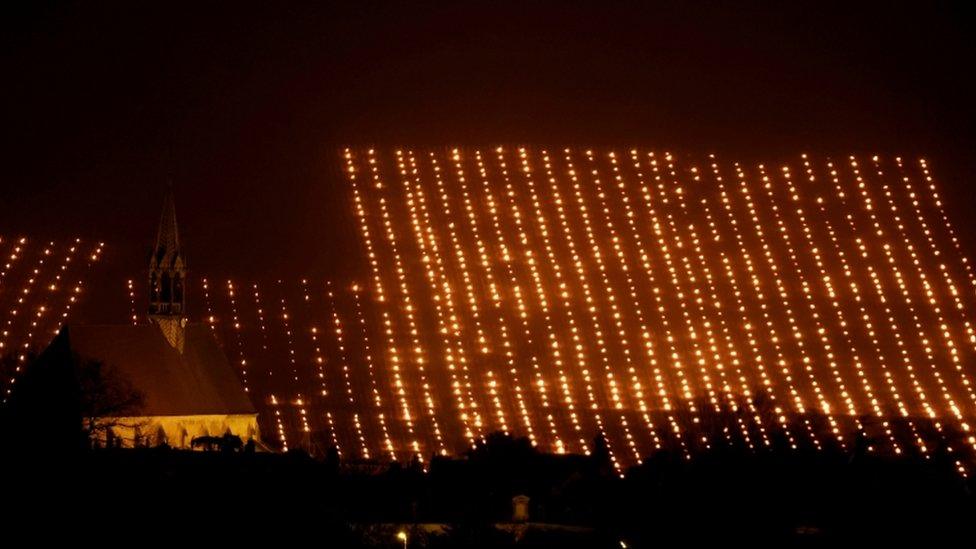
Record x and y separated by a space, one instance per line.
198 382
167 247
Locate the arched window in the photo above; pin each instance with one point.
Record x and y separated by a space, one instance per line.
154 286
166 289
178 293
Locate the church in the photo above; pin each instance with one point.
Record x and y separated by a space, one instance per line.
186 387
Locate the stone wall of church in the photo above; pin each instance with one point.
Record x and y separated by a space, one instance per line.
177 431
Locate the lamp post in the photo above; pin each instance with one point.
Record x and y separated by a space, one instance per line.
402 536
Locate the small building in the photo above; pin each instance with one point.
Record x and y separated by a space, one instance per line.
520 508
186 387
186 394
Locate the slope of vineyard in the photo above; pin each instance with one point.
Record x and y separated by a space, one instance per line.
40 283
626 298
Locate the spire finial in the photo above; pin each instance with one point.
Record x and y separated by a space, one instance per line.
167 236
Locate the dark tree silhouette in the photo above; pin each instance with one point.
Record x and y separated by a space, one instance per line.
107 400
64 402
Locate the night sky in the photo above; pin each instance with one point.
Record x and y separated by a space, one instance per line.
245 108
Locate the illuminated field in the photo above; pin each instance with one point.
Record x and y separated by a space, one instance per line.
40 283
629 296
564 293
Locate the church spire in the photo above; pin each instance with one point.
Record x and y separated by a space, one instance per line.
167 277
168 235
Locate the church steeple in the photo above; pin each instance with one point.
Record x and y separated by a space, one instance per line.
168 235
167 277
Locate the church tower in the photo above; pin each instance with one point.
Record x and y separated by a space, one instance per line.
167 278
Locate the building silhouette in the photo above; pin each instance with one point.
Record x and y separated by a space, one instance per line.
185 385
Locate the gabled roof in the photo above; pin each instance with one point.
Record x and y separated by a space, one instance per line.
198 382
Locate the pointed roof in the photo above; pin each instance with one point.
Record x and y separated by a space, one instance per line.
199 381
167 247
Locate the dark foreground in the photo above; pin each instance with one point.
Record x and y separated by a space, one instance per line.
799 498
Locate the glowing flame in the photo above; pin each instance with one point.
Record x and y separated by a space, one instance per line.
629 299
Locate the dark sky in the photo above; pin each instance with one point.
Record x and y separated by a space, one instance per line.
245 107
